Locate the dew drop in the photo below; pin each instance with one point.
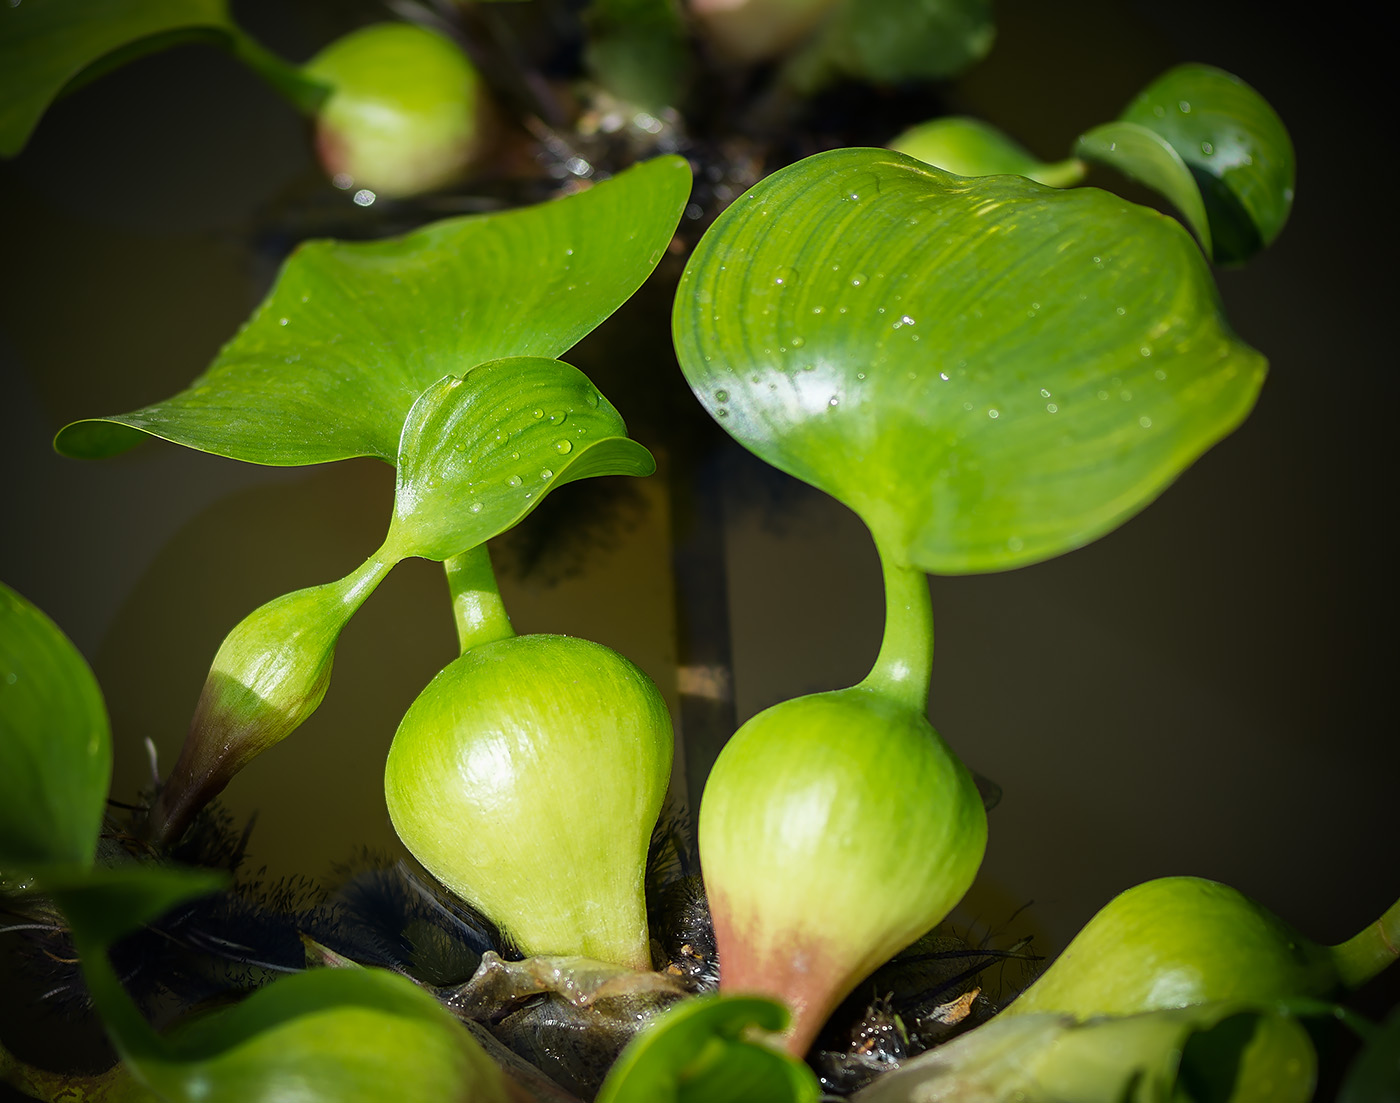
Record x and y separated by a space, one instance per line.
1145 351
537 414
809 367
721 412
558 417
476 507
908 321
1120 310
721 396
1044 393
858 280
994 413
943 376
546 473
1014 543
1145 422
514 480
1159 374
1183 106
785 276
860 375
1050 407
862 185
835 400
282 321
515 455
563 447
1207 148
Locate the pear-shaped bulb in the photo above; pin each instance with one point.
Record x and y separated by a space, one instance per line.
834 830
407 111
527 778
1175 942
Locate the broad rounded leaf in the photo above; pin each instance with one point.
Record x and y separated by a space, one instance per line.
971 147
335 1035
479 452
989 372
1150 159
701 1051
1234 145
332 361
55 742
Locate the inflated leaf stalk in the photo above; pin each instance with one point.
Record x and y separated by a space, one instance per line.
836 828
407 112
757 30
1213 146
476 454
989 372
333 359
970 147
55 744
1180 941
1231 1051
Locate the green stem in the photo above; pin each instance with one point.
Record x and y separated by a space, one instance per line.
304 92
476 602
905 664
1359 959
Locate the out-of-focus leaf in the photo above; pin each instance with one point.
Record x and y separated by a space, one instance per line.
479 452
1374 1076
332 361
49 45
703 1051
55 743
989 372
637 51
1235 152
885 41
101 905
1210 1053
971 147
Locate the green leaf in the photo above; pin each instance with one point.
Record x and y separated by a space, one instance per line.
1374 1077
332 361
480 452
703 1051
989 372
55 743
637 50
1209 1053
1234 148
970 147
103 904
885 41
47 46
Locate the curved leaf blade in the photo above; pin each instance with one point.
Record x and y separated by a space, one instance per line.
55 743
700 1051
480 452
1233 144
989 372
332 361
45 45
1150 159
103 904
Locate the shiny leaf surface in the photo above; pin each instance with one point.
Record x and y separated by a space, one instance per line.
702 1051
55 742
479 452
989 372
332 361
1233 145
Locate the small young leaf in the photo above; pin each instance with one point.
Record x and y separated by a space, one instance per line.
332 361
988 371
884 41
970 147
1233 145
702 1051
55 743
480 452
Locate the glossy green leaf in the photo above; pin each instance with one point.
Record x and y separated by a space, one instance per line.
55 743
885 41
332 361
1150 159
637 50
1233 146
479 452
1211 1053
970 147
703 1051
333 1035
989 372
47 46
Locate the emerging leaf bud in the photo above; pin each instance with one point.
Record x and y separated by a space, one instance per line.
834 830
406 114
527 778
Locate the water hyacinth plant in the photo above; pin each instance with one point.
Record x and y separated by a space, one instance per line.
988 365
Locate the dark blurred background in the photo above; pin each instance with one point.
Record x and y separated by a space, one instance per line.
1204 691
